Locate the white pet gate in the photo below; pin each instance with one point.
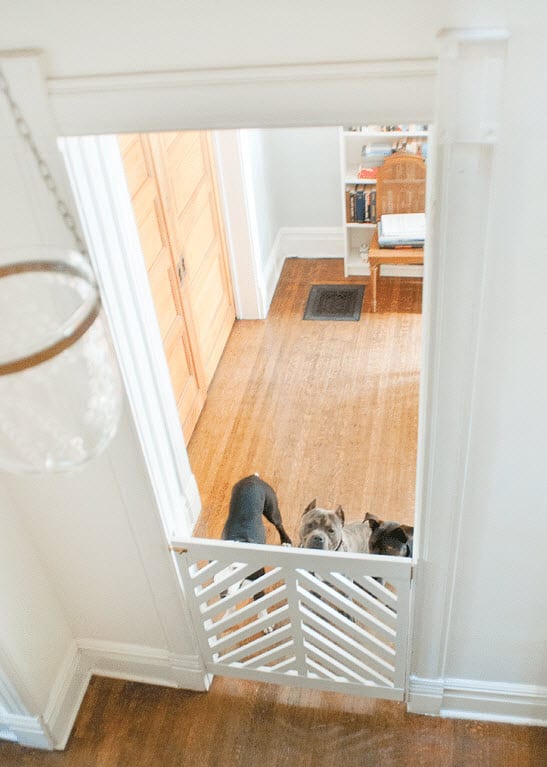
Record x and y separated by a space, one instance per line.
318 619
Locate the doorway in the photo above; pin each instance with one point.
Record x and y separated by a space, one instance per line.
130 282
341 398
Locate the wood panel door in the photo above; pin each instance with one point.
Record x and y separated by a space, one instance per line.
174 318
189 191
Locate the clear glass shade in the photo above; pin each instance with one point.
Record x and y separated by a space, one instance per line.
60 389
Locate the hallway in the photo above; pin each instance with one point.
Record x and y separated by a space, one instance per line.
324 410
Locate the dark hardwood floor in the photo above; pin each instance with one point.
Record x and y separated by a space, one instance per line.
247 724
326 410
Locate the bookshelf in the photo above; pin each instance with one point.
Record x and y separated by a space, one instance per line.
366 147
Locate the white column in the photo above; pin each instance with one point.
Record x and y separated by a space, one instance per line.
460 173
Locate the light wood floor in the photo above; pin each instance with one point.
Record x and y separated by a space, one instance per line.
324 410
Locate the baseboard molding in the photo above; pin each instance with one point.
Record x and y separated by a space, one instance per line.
327 242
29 731
110 659
143 664
66 697
311 242
52 729
425 696
483 701
271 276
495 701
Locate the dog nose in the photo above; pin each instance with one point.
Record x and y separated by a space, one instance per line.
316 542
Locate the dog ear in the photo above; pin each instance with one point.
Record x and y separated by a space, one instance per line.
372 520
340 513
311 505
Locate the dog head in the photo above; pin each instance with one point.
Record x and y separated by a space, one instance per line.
389 538
321 528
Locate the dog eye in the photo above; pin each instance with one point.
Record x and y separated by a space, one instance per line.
331 530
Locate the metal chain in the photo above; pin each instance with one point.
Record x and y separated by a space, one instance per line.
43 167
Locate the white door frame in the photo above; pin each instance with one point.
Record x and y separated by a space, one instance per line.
471 63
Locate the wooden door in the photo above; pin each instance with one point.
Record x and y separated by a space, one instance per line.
174 318
189 191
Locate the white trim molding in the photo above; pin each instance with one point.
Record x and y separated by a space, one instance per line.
480 700
143 664
324 242
236 202
66 697
26 730
311 242
96 171
261 96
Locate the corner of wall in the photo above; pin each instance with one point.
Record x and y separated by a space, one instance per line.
66 697
149 665
110 659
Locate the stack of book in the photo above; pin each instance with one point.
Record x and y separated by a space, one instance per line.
401 230
361 205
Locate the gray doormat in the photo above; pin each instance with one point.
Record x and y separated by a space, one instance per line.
334 302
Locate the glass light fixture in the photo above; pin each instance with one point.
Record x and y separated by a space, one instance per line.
60 388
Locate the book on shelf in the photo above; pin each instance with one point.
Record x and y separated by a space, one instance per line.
410 128
373 206
360 205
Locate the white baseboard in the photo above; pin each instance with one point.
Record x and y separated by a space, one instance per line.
66 697
271 277
110 659
483 701
27 731
311 242
425 696
495 701
143 664
327 242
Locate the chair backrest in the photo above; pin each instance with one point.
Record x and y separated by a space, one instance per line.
400 184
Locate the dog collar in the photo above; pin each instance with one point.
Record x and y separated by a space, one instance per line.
339 546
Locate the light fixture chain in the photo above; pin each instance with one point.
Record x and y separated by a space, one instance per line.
43 167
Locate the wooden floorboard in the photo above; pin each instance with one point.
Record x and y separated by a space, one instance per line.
320 409
248 724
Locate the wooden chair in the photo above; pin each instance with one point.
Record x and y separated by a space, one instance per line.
400 188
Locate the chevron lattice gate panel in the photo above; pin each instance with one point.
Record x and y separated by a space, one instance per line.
328 620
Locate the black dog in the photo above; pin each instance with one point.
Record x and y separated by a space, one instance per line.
389 538
252 498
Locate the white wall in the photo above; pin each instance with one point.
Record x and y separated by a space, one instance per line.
87 524
34 622
304 176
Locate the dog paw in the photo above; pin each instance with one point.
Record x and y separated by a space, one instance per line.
287 544
267 630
